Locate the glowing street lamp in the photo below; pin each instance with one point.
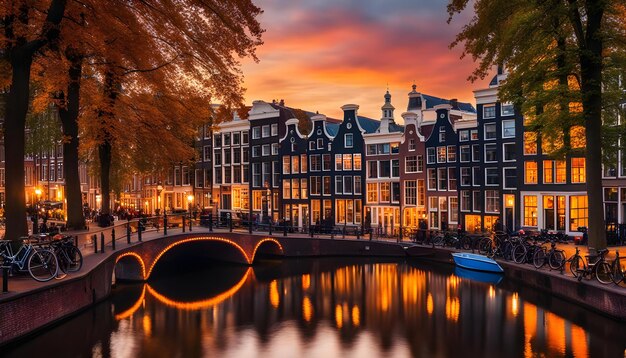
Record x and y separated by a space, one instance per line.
189 202
159 190
36 216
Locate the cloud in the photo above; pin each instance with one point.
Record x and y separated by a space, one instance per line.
319 55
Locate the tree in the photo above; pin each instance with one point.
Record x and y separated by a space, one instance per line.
26 31
558 53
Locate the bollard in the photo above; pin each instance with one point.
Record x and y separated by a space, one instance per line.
190 221
164 223
94 239
250 224
139 230
5 279
230 222
358 233
128 232
270 227
113 238
371 234
102 242
184 223
344 230
210 222
332 232
76 240
311 231
284 228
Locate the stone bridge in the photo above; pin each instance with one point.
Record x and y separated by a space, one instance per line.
137 263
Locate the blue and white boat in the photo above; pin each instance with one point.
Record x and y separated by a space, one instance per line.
491 278
476 262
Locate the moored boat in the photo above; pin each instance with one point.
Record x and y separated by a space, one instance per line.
479 276
476 262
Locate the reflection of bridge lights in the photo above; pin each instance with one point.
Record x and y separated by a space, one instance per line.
274 295
453 307
338 316
306 282
356 316
147 325
307 309
492 292
196 305
129 312
429 304
515 304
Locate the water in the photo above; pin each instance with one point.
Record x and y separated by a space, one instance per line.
329 308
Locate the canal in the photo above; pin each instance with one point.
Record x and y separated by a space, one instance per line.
327 308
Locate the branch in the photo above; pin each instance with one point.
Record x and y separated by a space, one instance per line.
144 70
574 16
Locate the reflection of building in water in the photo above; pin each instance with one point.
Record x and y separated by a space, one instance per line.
424 310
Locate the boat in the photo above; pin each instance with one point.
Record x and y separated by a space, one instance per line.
479 276
476 262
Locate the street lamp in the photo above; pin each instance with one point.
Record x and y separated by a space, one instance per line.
189 201
36 221
159 190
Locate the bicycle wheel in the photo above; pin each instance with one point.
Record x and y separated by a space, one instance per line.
519 254
539 258
618 273
577 266
507 250
63 264
43 265
556 259
438 240
603 272
75 259
484 246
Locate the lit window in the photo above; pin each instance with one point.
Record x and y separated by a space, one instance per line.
530 172
578 170
286 169
441 154
578 211
357 161
530 210
530 143
295 164
372 193
347 162
548 171
385 192
451 154
338 162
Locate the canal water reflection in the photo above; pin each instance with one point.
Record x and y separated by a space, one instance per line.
330 308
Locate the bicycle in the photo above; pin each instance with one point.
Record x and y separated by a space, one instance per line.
554 257
600 267
524 251
40 263
69 256
617 272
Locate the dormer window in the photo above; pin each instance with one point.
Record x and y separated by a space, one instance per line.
442 134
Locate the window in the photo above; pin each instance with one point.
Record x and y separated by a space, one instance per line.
244 137
316 185
295 189
490 131
265 131
395 148
442 134
548 171
465 200
395 192
303 188
476 176
357 185
421 193
475 152
338 162
207 153
464 135
530 143
530 210
412 145
385 169
476 201
236 156
217 140
348 140
286 189
274 129
451 154
410 192
432 179
489 111
303 162
256 174
227 156
325 162
442 176
326 186
509 152
347 185
385 192
430 155
286 169
578 211
451 178
295 164
227 139
530 172
510 178
316 164
466 176
492 204
454 209
465 153
491 154
441 154
410 164
371 149
491 176
315 212
245 172
507 109
578 170
347 162
265 149
561 174
357 161
274 148
508 128
420 164
312 147
372 192
474 134
236 138
217 161
246 156
320 143
395 168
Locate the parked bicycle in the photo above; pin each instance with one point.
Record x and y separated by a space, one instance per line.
599 267
68 255
554 257
617 271
40 263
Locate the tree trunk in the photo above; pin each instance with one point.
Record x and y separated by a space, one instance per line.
14 128
69 120
104 153
591 85
104 149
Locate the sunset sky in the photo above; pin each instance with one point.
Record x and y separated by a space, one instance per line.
319 55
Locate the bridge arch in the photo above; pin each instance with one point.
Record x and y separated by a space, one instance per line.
267 246
242 255
129 266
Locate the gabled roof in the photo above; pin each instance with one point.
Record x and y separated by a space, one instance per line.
394 127
332 128
369 125
432 101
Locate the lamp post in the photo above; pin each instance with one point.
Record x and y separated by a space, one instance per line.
36 221
159 190
189 202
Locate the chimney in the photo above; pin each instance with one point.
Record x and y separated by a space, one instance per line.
282 102
454 103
